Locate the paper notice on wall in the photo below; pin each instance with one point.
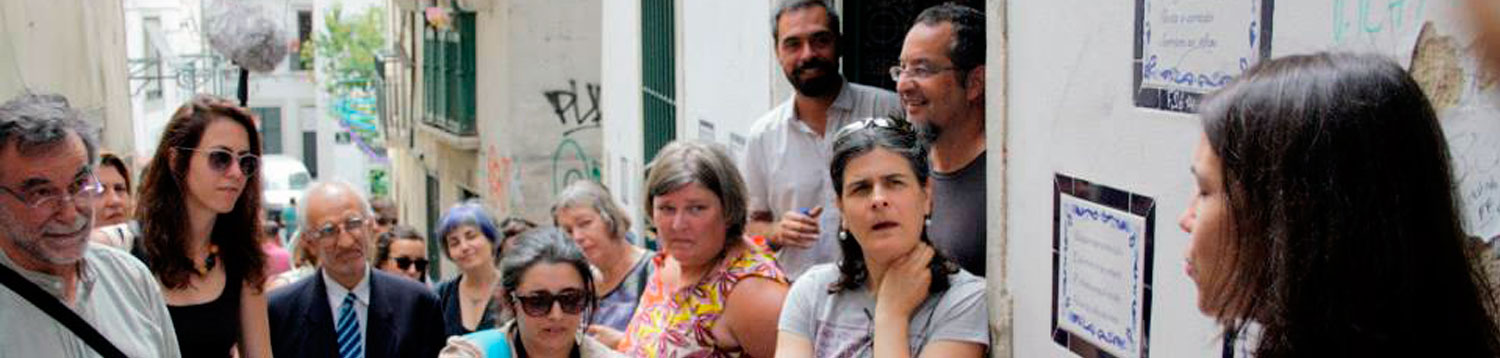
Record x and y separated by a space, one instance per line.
706 131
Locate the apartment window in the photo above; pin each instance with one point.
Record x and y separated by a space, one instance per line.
433 207
304 33
658 66
150 29
448 74
310 152
270 128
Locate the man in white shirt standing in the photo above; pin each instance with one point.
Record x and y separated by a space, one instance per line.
786 160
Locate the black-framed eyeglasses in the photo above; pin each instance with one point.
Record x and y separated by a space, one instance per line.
386 221
917 71
404 263
354 225
86 189
539 304
219 160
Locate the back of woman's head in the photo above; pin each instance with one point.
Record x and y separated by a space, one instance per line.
162 205
1346 234
546 245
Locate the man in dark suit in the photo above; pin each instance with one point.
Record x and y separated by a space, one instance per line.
347 309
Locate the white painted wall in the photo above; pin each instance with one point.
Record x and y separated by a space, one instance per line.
620 77
1070 111
728 67
72 48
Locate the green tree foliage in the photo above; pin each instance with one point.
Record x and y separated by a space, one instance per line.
348 45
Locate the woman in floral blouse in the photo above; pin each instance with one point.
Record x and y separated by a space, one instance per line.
714 293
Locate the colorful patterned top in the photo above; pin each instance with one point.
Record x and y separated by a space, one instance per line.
679 324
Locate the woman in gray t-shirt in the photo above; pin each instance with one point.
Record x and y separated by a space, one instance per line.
891 282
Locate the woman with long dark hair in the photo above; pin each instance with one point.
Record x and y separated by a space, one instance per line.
199 211
891 281
1325 221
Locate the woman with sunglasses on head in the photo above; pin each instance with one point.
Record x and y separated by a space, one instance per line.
402 251
1325 222
469 238
891 281
714 293
588 213
200 222
550 287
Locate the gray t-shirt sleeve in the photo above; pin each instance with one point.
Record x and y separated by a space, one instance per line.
962 314
799 313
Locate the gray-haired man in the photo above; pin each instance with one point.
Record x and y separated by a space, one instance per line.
47 196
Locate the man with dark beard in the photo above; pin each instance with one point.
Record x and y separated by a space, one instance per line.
786 160
48 190
941 82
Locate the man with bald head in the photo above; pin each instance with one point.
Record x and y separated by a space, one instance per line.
348 309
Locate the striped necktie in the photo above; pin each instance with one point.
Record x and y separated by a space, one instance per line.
351 341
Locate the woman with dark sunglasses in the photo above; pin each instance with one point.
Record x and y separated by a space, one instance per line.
403 252
199 211
891 281
549 286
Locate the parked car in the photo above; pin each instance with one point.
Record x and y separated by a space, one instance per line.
283 178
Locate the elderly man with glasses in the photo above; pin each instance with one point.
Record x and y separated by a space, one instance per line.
62 295
349 309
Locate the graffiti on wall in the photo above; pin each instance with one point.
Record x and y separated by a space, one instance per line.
577 112
570 110
502 180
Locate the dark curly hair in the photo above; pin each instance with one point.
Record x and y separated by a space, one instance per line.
858 140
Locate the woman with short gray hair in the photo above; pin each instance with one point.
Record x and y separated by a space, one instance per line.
714 292
587 212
